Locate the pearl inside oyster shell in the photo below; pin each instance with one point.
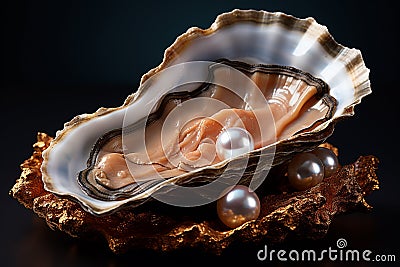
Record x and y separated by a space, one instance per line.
233 142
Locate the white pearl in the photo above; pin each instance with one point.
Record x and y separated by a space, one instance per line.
238 206
233 142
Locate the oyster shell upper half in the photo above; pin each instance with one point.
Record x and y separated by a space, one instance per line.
285 80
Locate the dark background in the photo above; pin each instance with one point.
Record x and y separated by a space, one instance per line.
63 58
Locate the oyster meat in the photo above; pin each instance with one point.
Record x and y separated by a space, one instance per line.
283 79
282 102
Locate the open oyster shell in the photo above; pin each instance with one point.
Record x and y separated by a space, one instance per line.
252 39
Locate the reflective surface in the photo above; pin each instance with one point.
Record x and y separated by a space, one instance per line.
233 142
238 206
329 160
305 170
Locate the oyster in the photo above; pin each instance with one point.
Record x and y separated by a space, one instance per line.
288 74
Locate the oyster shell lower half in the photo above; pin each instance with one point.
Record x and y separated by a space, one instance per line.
285 80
